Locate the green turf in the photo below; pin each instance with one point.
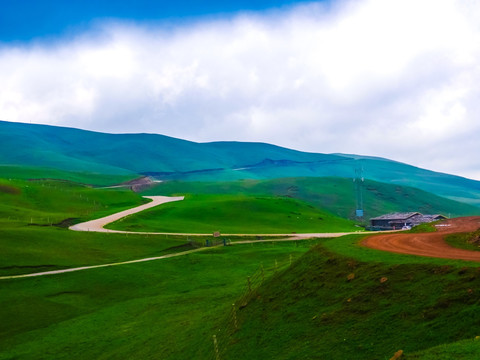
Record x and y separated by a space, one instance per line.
235 214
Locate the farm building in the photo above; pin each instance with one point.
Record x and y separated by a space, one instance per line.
400 220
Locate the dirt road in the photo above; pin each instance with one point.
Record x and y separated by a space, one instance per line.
429 244
98 224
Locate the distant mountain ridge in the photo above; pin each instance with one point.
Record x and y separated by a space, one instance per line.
166 157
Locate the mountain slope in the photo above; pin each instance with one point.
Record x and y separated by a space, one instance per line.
76 150
169 158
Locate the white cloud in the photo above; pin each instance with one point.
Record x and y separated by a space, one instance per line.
394 78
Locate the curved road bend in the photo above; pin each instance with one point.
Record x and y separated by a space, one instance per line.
98 224
429 244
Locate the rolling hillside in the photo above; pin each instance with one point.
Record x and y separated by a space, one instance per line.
345 308
235 214
336 195
166 158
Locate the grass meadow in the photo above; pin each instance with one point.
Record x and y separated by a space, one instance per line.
337 299
167 309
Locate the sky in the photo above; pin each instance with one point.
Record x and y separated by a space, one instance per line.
392 78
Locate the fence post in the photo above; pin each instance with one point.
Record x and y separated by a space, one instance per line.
235 316
215 345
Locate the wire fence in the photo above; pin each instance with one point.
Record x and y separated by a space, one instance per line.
231 324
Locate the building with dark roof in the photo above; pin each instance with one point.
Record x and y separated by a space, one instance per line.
400 220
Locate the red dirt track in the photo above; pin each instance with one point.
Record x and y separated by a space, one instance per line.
429 244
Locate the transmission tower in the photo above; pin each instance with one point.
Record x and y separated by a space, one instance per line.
359 184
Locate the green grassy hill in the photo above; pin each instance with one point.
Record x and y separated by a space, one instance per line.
235 214
335 195
47 202
169 158
335 307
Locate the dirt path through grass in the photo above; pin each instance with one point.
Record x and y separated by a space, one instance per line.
62 271
429 244
98 224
